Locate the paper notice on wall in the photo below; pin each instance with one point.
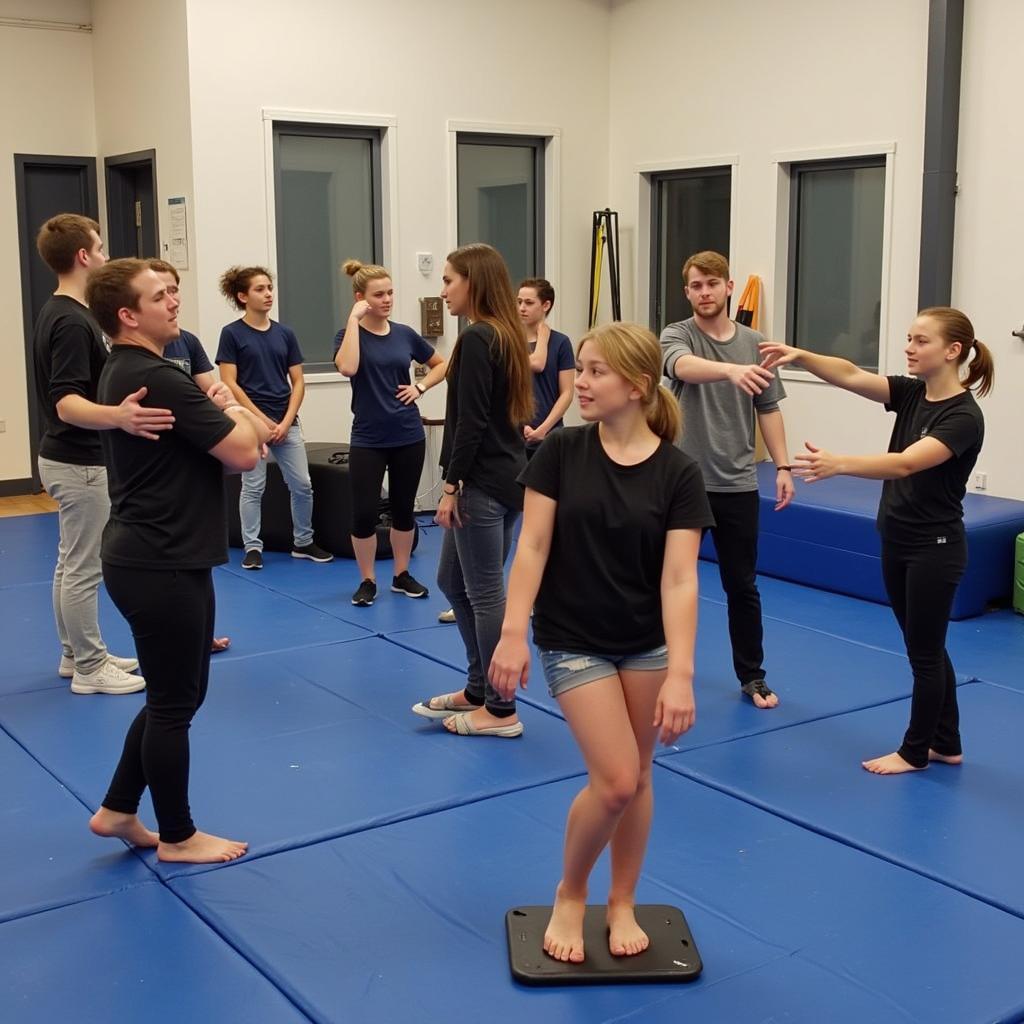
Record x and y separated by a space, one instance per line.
177 247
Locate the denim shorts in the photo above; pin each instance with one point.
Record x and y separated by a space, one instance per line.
565 670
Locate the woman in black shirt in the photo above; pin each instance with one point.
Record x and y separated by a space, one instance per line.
607 559
490 397
935 443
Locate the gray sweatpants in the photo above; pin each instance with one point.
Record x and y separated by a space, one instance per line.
83 507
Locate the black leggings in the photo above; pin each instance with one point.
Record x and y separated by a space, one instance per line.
171 616
921 581
366 467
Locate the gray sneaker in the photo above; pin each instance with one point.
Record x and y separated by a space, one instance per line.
66 669
108 678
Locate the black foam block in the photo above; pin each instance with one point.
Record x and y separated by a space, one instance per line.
671 957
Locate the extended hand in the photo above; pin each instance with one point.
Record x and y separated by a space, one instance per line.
815 464
752 379
141 420
775 353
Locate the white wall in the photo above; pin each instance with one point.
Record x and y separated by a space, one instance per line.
54 119
140 56
422 65
745 81
987 275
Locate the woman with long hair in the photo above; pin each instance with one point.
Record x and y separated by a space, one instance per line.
607 560
935 442
490 397
387 432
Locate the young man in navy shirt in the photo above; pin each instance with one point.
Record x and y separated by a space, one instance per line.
260 361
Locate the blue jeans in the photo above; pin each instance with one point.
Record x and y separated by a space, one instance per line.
471 575
290 455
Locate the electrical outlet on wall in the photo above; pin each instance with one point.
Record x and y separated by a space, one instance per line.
981 481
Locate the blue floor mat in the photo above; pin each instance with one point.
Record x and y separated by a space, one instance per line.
961 826
134 956
28 549
443 915
281 737
817 675
48 856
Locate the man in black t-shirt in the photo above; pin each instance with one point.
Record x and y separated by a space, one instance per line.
167 529
68 354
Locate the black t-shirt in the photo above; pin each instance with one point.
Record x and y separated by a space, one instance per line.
601 589
480 444
926 507
167 506
69 351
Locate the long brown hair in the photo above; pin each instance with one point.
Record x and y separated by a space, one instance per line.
634 354
492 301
954 326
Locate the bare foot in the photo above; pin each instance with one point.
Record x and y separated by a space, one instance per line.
201 848
114 825
891 764
625 936
563 939
481 718
771 701
934 755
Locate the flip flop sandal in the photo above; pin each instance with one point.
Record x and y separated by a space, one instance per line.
445 708
758 686
464 727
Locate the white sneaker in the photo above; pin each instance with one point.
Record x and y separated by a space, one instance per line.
107 679
67 665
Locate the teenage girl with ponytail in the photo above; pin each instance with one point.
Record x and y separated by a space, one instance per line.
607 559
935 443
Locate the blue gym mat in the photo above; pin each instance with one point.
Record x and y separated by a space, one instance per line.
438 910
280 736
48 856
134 956
961 826
817 675
28 549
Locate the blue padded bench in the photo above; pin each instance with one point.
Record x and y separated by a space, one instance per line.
827 539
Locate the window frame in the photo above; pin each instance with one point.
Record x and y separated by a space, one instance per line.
778 267
657 178
796 170
387 126
518 140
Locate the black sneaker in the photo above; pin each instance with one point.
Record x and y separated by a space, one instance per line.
366 594
313 553
253 559
403 583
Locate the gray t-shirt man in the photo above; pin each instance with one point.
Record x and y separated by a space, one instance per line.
718 418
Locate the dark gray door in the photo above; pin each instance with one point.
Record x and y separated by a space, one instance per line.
45 186
131 205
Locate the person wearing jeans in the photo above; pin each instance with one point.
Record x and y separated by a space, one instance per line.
490 397
69 353
935 443
261 363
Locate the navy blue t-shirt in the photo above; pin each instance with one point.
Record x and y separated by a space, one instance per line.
379 419
545 383
263 359
187 352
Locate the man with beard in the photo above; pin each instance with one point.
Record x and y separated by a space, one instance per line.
714 368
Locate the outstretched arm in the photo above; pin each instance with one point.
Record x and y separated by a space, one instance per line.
817 464
831 369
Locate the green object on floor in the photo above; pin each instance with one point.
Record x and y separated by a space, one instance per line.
1018 576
